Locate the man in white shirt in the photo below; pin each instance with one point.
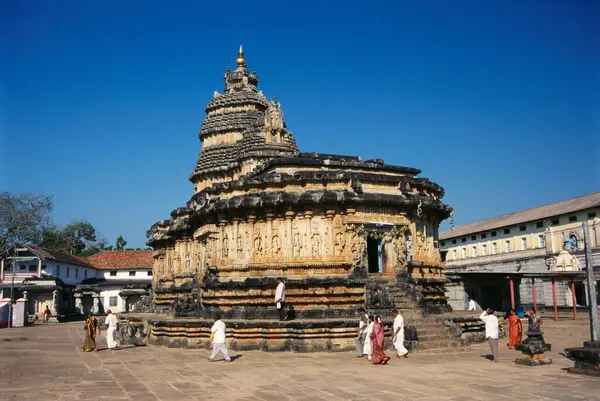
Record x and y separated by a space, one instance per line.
219 343
111 334
280 299
491 330
398 334
367 349
362 332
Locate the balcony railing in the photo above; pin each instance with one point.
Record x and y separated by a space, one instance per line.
18 276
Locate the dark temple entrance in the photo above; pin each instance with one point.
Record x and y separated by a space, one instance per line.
374 253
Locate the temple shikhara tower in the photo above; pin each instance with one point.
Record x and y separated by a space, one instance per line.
343 232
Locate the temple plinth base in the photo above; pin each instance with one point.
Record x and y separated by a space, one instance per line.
533 349
266 335
586 358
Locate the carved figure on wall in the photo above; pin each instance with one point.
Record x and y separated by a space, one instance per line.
276 115
327 243
297 243
316 244
240 246
225 249
276 245
187 262
209 252
409 247
400 250
340 243
258 247
198 258
248 242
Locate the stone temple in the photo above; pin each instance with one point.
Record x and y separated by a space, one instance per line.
343 232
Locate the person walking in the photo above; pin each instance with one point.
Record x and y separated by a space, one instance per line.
362 332
219 340
280 299
91 327
367 349
111 334
491 331
47 314
398 334
378 357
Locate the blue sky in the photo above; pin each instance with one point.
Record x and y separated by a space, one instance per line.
102 102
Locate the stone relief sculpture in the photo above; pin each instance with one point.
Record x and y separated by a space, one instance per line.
225 249
187 262
276 245
340 243
240 246
247 242
400 250
297 243
316 244
258 247
208 260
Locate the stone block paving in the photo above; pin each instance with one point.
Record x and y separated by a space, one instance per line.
44 363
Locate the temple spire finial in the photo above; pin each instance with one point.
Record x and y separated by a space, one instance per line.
241 61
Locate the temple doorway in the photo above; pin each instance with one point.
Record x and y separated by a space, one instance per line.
374 255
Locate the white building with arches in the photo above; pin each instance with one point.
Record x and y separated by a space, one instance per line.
482 259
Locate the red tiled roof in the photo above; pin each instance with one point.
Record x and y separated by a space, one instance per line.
115 260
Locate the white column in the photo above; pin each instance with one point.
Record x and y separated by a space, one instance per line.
39 274
2 270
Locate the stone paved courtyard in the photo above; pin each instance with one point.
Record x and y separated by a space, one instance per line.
43 363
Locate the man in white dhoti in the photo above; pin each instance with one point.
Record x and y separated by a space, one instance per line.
280 299
219 343
398 334
111 334
362 330
367 350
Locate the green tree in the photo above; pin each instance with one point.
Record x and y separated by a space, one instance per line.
23 217
78 238
120 245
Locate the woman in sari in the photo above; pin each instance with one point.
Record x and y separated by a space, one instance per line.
91 326
515 329
378 357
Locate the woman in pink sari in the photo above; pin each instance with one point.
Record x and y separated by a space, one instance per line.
377 338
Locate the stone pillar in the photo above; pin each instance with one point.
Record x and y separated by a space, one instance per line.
95 304
223 254
308 214
237 244
19 315
251 221
125 304
269 241
78 304
330 246
54 308
289 244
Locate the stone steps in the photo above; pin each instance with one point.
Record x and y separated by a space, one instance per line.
431 332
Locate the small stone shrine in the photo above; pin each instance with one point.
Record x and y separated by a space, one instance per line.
586 358
533 348
342 232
